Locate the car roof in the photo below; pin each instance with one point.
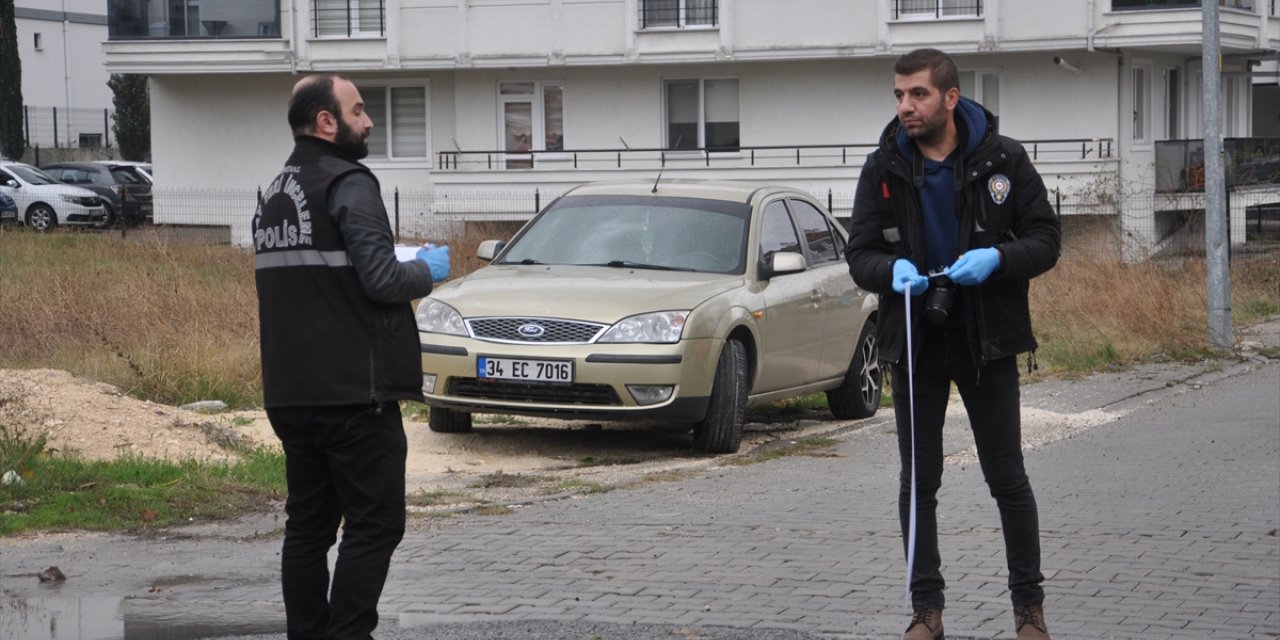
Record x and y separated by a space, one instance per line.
726 190
73 165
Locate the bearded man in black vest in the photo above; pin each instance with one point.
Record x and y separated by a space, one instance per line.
339 351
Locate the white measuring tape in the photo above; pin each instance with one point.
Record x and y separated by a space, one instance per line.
911 398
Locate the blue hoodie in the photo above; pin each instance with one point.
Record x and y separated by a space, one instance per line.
941 223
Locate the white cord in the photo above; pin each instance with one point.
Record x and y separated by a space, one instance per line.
911 396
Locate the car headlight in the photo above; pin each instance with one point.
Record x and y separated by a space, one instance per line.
84 201
437 317
660 327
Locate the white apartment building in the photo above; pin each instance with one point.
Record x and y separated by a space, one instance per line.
64 77
546 94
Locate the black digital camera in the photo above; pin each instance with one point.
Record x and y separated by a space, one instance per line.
939 298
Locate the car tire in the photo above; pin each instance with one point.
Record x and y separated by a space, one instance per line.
721 430
858 396
108 217
449 421
42 217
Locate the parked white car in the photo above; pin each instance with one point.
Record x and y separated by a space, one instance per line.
43 202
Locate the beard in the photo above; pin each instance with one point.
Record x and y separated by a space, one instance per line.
350 143
929 131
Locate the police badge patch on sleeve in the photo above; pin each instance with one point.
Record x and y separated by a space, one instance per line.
998 185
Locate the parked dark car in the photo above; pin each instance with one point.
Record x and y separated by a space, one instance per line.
126 194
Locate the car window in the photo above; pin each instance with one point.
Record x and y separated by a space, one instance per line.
56 172
817 233
31 175
776 231
126 175
687 234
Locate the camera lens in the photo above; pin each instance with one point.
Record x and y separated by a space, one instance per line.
937 303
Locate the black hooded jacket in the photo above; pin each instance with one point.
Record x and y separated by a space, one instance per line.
1001 202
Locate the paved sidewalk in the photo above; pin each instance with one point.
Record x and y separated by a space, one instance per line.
1161 523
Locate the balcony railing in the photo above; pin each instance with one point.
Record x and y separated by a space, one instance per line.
765 156
1150 5
926 9
1248 162
679 13
192 19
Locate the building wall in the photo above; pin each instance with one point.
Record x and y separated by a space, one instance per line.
67 72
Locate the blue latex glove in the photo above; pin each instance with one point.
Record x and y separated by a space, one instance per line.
975 266
437 258
904 272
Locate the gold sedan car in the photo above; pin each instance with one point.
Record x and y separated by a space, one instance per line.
682 301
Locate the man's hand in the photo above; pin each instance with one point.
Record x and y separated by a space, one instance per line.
974 267
437 258
905 272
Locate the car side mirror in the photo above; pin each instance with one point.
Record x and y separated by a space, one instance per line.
782 263
12 184
489 249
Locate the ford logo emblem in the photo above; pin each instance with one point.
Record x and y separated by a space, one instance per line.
531 330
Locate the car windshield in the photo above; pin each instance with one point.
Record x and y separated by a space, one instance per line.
31 175
666 233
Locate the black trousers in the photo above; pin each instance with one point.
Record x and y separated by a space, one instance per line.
346 464
991 399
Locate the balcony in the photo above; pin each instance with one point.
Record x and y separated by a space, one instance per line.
1158 5
1250 162
192 19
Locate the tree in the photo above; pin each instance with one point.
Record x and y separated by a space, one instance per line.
133 114
12 143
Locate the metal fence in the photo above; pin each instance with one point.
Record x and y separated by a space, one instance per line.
1096 226
61 127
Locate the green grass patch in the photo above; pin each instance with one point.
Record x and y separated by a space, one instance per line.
578 486
436 498
500 480
808 446
63 492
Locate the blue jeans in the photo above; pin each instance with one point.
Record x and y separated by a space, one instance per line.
346 464
991 399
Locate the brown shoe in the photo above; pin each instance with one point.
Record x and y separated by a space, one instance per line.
926 624
1028 621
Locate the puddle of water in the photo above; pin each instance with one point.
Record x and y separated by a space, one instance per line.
113 618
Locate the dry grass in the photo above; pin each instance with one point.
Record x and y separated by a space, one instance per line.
178 322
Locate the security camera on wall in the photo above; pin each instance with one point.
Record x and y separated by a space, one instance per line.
1069 66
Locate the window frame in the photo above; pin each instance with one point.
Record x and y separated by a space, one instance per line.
979 89
682 18
938 12
538 121
353 22
1140 99
1172 103
701 146
386 85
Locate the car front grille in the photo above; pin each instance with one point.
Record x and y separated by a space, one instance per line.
584 394
540 330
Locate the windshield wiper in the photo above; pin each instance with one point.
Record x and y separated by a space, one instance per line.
622 264
525 261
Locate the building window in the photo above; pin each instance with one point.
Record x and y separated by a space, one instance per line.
1141 102
399 115
1172 103
933 9
679 13
1146 5
532 114
38 42
982 87
702 114
348 18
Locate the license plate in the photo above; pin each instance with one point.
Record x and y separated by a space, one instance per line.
488 368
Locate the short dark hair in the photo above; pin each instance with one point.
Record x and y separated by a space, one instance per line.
942 69
310 96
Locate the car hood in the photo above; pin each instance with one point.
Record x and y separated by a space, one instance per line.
47 190
599 294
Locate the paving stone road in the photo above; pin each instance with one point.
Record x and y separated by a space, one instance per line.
1160 523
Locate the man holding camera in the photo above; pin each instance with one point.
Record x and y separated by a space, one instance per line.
955 214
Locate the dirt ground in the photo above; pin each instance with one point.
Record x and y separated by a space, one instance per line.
97 421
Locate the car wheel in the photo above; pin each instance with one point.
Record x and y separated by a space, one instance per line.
721 430
858 396
108 217
449 421
42 217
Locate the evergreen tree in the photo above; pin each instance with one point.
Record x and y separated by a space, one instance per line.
12 143
133 115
